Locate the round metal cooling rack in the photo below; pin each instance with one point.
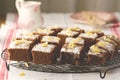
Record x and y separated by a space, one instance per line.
67 68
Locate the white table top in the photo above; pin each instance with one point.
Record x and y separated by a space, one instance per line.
61 19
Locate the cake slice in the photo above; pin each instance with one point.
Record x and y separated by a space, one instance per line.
108 39
44 32
97 55
27 36
90 39
67 33
71 54
76 29
51 40
108 47
44 53
55 28
115 39
20 50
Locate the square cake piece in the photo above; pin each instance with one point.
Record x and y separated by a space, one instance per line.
71 54
44 53
90 39
108 39
76 29
67 33
78 41
98 32
27 36
44 32
55 28
53 40
108 47
20 50
115 39
97 55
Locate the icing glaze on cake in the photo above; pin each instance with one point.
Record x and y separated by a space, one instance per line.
68 33
106 45
44 31
75 49
41 48
88 35
51 39
20 44
26 35
75 40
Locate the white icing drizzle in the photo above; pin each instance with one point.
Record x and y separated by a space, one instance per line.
26 35
47 49
50 39
44 31
107 45
75 50
86 35
69 39
25 45
68 33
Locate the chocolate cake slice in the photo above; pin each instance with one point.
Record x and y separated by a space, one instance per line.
108 47
115 39
44 32
90 39
67 33
97 55
76 29
55 28
44 53
27 36
108 39
20 50
53 40
71 54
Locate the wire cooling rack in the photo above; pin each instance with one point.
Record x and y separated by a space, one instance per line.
67 68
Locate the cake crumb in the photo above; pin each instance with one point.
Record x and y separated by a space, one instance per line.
45 44
22 74
26 64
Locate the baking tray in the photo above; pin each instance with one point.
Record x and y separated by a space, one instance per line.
67 68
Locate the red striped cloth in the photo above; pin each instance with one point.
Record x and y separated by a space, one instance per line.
3 70
116 29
